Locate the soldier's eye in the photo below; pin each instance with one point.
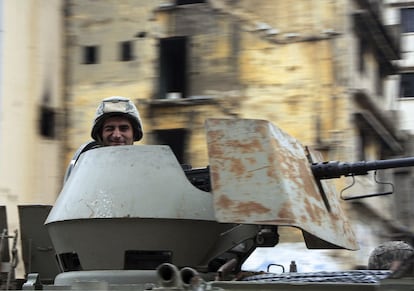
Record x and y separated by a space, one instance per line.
108 128
124 128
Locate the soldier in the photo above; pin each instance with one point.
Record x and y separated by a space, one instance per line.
117 122
388 255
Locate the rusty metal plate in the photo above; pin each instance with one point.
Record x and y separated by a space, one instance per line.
261 175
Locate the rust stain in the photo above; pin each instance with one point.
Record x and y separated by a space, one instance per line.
309 209
314 212
263 130
237 167
271 158
215 178
309 183
271 171
251 146
285 211
282 164
215 150
249 208
224 202
303 219
335 214
215 134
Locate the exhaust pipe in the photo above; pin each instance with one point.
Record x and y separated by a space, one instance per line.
189 276
169 275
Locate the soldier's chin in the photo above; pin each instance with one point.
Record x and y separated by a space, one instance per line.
116 143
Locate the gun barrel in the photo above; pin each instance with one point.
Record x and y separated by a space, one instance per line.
336 169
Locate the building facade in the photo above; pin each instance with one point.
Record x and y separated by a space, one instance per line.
401 13
31 104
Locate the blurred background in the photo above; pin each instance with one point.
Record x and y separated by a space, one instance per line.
336 75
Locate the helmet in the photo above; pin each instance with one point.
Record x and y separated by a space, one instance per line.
383 255
116 106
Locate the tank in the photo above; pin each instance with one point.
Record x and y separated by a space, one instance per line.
133 218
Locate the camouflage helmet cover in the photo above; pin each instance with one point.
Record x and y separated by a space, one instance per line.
116 106
382 257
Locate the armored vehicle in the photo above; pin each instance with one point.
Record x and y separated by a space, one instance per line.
133 218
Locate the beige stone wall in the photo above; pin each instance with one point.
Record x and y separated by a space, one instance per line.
289 77
105 24
290 83
31 77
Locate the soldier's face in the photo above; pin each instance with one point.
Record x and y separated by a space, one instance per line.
117 131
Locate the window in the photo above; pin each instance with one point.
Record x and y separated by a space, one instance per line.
407 85
407 20
362 49
90 55
379 80
173 67
47 122
125 52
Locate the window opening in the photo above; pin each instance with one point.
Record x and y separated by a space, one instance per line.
407 20
173 67
407 85
361 54
90 55
380 78
47 122
126 48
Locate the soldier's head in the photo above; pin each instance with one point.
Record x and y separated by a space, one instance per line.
117 122
384 255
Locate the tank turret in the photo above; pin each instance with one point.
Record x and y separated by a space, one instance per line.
133 208
132 215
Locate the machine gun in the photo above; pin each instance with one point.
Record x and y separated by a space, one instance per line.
335 169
